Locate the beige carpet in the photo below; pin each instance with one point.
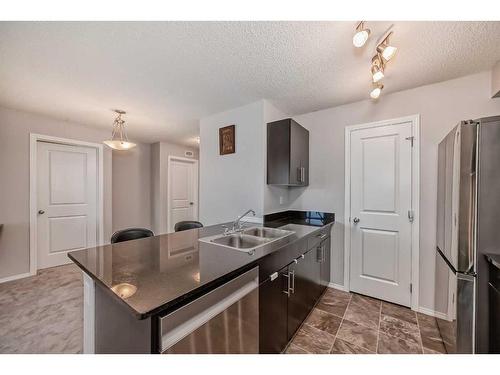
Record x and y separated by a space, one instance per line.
43 313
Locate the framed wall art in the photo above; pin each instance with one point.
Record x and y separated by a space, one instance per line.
227 144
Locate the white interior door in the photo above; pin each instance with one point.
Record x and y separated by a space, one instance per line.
183 191
66 201
381 170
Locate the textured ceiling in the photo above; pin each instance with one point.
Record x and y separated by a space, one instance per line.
167 75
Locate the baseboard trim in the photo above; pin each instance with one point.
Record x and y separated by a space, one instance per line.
338 286
15 277
430 312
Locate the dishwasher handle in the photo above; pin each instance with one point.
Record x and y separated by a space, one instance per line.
185 320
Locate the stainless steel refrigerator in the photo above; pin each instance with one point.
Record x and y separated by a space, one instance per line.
468 226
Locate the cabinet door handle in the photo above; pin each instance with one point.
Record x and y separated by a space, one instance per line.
292 288
299 174
287 291
321 253
302 174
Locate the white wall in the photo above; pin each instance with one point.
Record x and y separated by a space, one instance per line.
441 106
231 184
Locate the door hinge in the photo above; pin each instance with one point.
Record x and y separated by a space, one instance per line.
411 288
411 139
410 216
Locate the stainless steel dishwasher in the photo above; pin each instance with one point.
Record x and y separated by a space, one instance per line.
225 320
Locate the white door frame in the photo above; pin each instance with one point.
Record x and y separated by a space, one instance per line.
195 182
415 200
34 138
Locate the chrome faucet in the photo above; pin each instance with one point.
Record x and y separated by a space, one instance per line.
237 224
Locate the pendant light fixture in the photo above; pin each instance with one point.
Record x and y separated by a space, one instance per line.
119 139
359 39
385 49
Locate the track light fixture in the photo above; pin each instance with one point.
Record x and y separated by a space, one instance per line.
377 89
359 39
385 49
378 67
383 53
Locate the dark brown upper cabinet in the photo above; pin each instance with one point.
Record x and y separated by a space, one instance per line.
287 153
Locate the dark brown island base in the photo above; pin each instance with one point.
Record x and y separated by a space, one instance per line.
206 291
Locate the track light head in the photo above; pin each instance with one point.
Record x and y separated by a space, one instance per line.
376 91
359 39
377 68
385 49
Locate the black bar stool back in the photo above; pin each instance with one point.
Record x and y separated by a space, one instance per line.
131 234
185 225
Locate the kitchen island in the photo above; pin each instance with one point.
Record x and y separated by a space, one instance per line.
135 290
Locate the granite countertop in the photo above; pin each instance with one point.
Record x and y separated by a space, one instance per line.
166 268
311 218
494 259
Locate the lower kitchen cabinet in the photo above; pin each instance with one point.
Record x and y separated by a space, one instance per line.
305 291
288 296
273 302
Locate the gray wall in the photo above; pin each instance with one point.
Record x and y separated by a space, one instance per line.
128 205
441 106
495 80
159 180
231 184
132 187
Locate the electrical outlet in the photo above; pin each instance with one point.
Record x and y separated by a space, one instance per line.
281 199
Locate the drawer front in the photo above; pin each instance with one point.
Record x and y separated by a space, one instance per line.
281 258
315 239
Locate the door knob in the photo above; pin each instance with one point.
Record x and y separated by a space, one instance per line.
356 220
191 203
41 212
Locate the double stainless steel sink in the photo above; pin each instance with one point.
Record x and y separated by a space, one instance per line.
249 239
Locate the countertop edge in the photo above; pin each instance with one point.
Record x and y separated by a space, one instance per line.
187 296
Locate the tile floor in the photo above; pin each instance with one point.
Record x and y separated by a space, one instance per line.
348 323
